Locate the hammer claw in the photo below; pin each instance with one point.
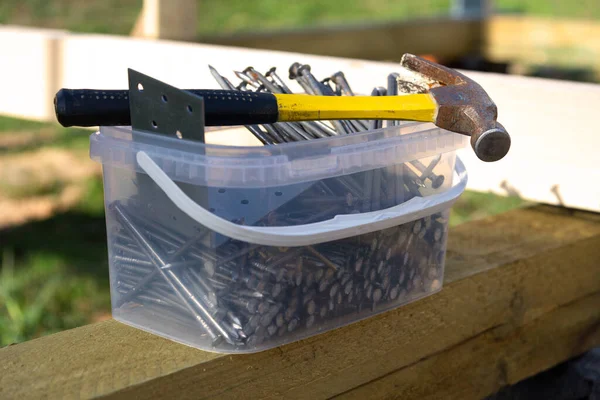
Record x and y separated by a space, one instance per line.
435 72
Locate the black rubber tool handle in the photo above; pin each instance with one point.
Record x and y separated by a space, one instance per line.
89 107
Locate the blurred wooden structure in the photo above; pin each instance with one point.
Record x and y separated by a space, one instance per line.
543 42
445 38
167 19
471 30
521 294
502 39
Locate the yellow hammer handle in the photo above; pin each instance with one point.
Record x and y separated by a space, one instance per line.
413 107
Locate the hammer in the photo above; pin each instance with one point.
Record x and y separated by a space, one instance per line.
446 97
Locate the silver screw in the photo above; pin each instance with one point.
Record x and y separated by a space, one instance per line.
132 261
276 273
128 251
132 270
250 305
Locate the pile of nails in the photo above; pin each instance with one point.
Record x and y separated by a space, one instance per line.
334 85
242 295
236 295
370 191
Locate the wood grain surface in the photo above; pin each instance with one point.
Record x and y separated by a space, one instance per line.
522 293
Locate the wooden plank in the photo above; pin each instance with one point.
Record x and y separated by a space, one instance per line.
445 38
543 41
527 281
494 358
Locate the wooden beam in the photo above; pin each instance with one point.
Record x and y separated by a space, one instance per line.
167 19
522 293
543 41
443 38
493 358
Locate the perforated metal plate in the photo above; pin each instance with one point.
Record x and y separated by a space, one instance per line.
161 108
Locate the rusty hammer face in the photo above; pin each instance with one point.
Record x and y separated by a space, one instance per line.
463 105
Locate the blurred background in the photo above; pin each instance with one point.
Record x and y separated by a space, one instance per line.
54 274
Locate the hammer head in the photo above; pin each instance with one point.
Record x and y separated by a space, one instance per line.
463 106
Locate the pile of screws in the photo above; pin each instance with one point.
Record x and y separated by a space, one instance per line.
241 295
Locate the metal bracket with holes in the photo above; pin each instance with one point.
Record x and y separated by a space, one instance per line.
160 108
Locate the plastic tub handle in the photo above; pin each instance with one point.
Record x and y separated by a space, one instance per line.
338 227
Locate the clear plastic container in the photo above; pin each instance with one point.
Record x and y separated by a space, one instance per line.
241 249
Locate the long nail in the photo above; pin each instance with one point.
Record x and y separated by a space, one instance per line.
173 280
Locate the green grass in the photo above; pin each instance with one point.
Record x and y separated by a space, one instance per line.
586 9
219 17
9 125
41 294
46 135
474 205
23 190
53 273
